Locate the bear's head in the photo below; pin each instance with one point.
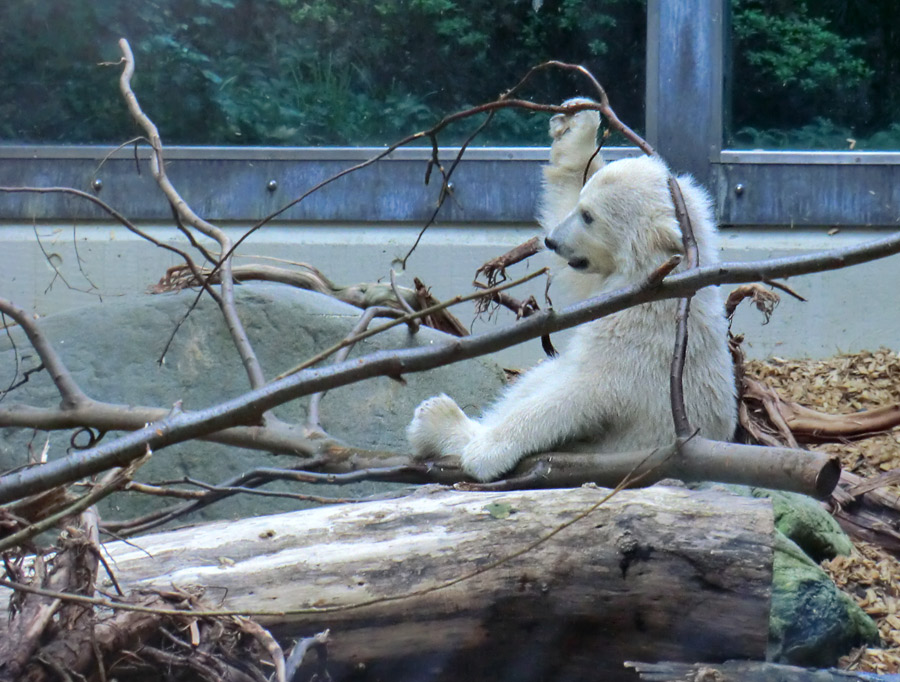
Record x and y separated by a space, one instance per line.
624 224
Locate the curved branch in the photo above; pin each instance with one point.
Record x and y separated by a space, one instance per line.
676 373
187 215
125 222
307 277
602 105
71 394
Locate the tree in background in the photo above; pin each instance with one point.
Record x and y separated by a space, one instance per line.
302 73
825 77
362 72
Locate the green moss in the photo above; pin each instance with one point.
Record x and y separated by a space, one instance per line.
811 622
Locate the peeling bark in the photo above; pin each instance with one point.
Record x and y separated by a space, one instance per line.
456 582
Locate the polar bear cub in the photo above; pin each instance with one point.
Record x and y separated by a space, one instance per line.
608 391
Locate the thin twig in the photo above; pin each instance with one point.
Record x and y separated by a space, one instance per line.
133 141
249 480
446 187
410 316
80 261
15 349
784 287
125 222
57 274
302 497
163 491
112 482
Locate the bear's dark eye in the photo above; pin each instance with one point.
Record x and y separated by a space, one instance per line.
587 217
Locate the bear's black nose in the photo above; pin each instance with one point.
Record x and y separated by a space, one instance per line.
551 244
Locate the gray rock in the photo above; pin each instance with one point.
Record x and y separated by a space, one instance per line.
112 350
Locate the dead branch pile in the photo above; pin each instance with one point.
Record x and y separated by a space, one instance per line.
57 629
845 385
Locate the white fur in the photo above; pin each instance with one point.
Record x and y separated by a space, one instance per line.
609 389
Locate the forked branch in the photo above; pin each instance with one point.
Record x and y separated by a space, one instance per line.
187 216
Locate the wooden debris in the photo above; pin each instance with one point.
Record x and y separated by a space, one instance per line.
867 502
740 671
871 576
305 276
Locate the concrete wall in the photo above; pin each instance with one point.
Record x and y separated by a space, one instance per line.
846 310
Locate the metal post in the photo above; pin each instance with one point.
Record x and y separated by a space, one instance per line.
685 57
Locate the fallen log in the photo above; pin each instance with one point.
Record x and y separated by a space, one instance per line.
748 671
539 584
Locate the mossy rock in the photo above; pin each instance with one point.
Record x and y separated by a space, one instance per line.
812 623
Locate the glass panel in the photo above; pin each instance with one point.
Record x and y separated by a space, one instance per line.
305 72
817 75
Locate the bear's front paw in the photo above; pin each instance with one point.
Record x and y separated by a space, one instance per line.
485 460
574 137
438 428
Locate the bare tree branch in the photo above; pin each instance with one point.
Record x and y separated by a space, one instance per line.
404 319
246 409
113 481
57 274
184 211
504 102
275 436
676 375
71 394
497 266
446 186
125 222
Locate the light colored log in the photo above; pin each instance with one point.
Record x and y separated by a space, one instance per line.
748 671
659 573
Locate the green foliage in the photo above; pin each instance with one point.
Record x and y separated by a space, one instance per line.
302 72
797 51
821 134
358 72
821 76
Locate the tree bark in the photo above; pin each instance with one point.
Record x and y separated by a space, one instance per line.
654 574
746 671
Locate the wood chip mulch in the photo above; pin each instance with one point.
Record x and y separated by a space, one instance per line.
846 384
